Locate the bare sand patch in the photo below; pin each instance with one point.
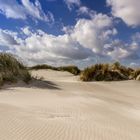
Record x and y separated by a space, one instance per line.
70 109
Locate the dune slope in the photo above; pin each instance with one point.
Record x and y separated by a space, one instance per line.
63 108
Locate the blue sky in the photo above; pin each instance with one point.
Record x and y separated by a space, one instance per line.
63 32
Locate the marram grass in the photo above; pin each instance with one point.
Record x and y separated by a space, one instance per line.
109 72
11 70
72 69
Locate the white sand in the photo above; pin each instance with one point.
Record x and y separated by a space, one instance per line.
66 109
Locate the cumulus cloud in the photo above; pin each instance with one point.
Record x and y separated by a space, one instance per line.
79 42
57 46
136 37
12 9
91 33
134 65
26 31
119 50
83 10
118 53
127 10
36 11
84 42
71 3
7 39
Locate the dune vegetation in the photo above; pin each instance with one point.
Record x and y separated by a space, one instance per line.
43 66
11 70
109 72
98 72
136 74
72 69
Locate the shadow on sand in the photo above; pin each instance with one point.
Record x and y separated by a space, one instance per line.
35 83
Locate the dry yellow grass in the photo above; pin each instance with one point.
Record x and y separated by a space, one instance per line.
11 70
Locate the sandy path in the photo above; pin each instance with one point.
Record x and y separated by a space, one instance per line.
66 109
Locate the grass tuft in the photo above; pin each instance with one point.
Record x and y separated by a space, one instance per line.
11 70
44 66
72 69
136 74
106 72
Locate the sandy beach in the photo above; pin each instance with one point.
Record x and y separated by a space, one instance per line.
64 108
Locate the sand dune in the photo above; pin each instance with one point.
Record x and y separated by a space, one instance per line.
64 108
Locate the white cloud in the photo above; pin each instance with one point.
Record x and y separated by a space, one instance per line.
89 33
71 3
119 50
7 38
127 10
86 41
36 11
118 53
134 65
52 48
83 10
26 30
80 42
12 9
136 37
